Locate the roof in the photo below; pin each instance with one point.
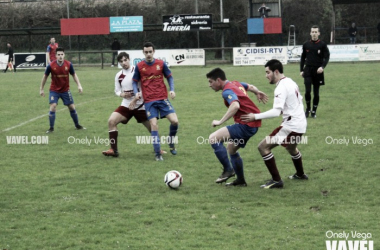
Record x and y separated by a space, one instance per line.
335 2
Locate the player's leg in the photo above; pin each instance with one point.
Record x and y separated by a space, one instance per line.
155 138
113 133
69 102
297 159
265 148
152 113
308 82
53 100
216 140
237 165
173 128
315 99
239 136
167 110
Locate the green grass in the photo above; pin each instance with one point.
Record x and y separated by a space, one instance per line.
69 196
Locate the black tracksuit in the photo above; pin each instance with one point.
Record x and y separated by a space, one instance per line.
315 54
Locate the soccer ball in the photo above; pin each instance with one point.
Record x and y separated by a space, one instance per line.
173 179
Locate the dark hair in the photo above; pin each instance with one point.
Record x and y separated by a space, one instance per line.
60 49
315 27
216 73
121 55
275 64
148 44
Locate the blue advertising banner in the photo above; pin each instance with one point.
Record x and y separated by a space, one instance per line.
126 24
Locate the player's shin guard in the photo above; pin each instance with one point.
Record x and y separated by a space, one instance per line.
156 142
297 161
172 133
74 116
237 164
221 153
113 139
270 162
51 119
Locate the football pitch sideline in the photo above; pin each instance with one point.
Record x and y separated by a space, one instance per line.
59 192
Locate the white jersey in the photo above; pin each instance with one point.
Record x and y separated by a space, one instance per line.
123 83
288 98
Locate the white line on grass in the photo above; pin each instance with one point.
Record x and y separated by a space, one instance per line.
41 116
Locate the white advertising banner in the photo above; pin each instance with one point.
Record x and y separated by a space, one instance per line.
3 61
369 52
174 57
259 55
344 53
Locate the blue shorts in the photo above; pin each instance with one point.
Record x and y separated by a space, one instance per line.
66 97
158 109
240 133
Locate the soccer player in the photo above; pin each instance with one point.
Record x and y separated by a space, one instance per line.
237 135
288 102
315 55
10 59
151 72
60 87
51 50
124 89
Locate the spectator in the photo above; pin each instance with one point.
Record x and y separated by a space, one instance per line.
114 46
263 10
352 33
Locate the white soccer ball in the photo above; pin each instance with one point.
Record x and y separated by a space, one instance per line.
173 179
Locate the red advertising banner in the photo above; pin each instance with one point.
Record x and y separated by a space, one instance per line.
272 25
85 26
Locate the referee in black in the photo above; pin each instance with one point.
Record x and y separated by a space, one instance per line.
10 58
315 55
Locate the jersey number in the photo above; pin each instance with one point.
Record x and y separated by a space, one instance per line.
243 89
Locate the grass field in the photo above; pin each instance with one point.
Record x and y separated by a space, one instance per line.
66 195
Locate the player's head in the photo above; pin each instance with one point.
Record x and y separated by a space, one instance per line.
273 70
9 45
52 40
148 51
60 54
216 79
314 32
123 59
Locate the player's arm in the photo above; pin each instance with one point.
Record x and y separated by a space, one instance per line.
169 77
232 109
278 106
325 60
137 94
266 115
261 96
326 56
231 98
43 81
303 57
76 78
171 86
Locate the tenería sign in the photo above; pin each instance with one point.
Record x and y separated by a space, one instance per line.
187 22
